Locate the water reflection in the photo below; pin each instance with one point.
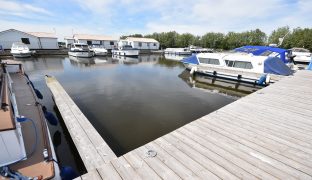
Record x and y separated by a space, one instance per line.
128 105
218 85
175 57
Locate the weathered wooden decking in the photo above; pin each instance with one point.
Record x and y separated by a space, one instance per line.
92 149
265 135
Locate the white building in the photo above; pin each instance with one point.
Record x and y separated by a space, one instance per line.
34 40
142 43
107 41
69 41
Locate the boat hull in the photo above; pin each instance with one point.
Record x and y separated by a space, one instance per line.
100 53
82 54
128 53
302 59
21 55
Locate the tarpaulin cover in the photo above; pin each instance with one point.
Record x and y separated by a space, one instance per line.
274 65
262 50
190 60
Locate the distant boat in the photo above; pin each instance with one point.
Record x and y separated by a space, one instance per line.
301 55
237 66
197 49
99 50
178 51
126 50
80 50
20 50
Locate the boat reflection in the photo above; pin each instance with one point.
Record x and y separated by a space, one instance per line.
217 85
175 57
125 59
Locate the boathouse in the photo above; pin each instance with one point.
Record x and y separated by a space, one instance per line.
34 40
107 41
143 43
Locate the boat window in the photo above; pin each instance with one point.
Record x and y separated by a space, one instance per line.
229 63
209 61
25 40
111 43
140 44
243 65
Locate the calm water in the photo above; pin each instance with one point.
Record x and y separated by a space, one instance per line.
129 101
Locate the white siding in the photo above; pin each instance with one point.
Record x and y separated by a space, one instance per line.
69 42
49 43
144 45
9 37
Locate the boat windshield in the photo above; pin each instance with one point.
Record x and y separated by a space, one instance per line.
300 50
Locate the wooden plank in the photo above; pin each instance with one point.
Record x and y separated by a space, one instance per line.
107 171
158 166
92 148
94 175
125 170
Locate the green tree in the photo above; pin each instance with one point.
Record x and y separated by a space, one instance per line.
277 34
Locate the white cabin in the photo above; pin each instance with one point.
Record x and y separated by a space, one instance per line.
34 40
142 43
69 41
107 42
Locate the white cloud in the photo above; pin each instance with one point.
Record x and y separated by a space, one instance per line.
21 8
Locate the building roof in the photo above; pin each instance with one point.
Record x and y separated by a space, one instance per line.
42 34
94 37
137 39
68 37
36 34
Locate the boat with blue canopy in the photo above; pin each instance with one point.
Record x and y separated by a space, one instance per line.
249 64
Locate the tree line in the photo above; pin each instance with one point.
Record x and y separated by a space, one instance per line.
297 37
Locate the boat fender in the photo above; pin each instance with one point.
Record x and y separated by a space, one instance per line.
310 66
193 70
239 77
268 78
49 116
68 173
32 85
262 80
38 93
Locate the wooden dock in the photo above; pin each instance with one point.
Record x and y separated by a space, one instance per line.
265 135
92 149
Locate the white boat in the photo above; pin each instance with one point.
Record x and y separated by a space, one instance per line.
20 49
26 147
126 50
178 51
99 50
80 50
301 55
196 50
237 66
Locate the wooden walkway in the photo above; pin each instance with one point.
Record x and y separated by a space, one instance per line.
92 149
265 135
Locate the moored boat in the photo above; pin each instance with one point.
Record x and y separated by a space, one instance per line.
126 50
27 151
99 50
80 50
20 50
178 51
238 66
301 55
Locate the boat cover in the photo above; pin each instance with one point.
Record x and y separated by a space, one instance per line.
190 60
263 50
275 65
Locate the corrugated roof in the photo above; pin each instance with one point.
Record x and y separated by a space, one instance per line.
94 37
142 39
42 34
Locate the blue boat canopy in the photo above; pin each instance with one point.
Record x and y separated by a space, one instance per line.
264 51
190 60
275 65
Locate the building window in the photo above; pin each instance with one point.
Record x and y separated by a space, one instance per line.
25 40
209 61
148 44
155 44
140 44
89 42
111 43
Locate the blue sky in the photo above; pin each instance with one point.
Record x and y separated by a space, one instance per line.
115 18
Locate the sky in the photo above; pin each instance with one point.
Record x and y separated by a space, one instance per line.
124 17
